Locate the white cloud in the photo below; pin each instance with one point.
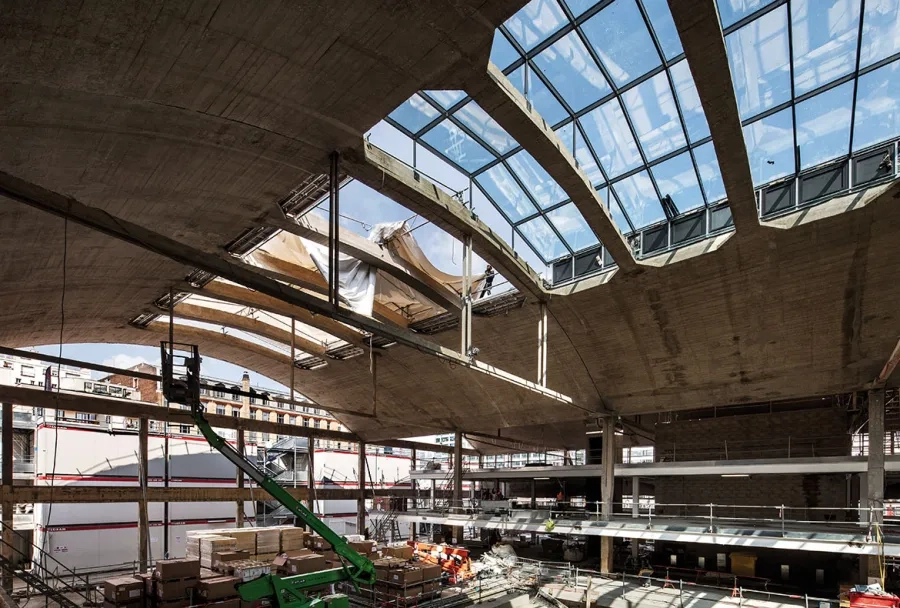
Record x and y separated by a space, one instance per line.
124 361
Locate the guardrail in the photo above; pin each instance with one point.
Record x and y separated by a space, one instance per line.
781 447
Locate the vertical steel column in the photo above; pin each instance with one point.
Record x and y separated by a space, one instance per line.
415 486
143 474
8 506
361 504
166 436
311 473
542 346
635 510
458 473
334 229
239 514
293 361
466 313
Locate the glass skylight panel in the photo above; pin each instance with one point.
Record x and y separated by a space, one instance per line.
438 170
823 126
881 31
760 63
770 146
732 11
392 141
569 67
502 51
541 236
710 174
415 113
824 35
481 123
570 224
877 114
446 99
581 153
619 35
615 210
663 26
579 6
689 100
610 137
537 181
488 214
499 184
535 21
639 200
539 95
651 107
677 178
454 143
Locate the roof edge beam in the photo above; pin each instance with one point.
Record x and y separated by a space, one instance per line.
697 22
502 101
382 172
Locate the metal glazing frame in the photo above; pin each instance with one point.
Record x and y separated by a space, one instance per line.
526 61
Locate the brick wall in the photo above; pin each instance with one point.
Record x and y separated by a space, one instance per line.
809 432
147 389
813 497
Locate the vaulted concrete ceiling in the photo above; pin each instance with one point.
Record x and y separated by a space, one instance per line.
194 119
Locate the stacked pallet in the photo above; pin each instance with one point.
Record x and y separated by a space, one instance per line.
175 581
292 539
123 592
211 545
268 543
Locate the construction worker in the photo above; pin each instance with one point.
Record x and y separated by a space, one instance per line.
488 281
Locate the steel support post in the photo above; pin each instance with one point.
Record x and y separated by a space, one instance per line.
239 513
8 506
415 486
334 230
542 346
361 501
311 472
466 304
143 474
635 510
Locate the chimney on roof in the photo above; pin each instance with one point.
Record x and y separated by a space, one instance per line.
245 399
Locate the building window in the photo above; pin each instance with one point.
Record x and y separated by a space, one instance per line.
280 419
220 391
306 422
28 371
265 437
185 429
252 414
293 420
236 412
316 423
220 409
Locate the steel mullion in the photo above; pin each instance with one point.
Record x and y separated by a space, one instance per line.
790 31
862 18
747 19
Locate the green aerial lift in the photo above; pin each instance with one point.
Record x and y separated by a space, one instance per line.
284 592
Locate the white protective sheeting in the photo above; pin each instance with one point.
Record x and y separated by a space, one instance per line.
356 279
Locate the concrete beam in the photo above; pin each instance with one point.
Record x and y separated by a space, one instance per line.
317 283
31 397
498 97
215 316
384 173
698 26
312 228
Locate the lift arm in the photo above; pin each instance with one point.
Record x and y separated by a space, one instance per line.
357 568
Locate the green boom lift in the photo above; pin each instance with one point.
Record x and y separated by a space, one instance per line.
284 592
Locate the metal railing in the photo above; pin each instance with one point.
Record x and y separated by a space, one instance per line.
789 520
781 447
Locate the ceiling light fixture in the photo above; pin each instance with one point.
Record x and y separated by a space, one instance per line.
735 475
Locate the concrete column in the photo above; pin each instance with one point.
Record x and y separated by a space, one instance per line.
143 474
607 487
361 501
635 510
7 477
875 470
239 476
457 481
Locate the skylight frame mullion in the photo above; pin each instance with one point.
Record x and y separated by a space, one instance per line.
687 139
856 75
747 19
790 32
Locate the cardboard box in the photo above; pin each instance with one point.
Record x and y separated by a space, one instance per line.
213 589
410 592
305 564
430 571
330 556
281 560
175 590
364 547
266 557
173 569
131 604
219 559
234 602
207 573
149 583
123 589
398 551
250 570
431 587
317 543
406 575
